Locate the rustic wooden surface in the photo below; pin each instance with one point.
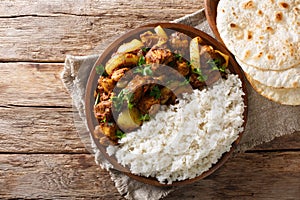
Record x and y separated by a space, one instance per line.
41 155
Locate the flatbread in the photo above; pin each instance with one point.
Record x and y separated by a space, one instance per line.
263 34
289 78
290 96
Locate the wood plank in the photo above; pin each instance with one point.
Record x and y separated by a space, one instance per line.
53 177
95 8
247 176
286 142
32 84
48 30
32 130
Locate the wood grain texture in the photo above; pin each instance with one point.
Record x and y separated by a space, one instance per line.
38 130
77 176
32 84
48 30
54 177
249 176
41 155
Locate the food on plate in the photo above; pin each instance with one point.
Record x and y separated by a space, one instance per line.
184 140
264 37
149 72
167 105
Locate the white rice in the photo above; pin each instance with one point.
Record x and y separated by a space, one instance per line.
184 140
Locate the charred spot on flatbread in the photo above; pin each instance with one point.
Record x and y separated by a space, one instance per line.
284 5
278 16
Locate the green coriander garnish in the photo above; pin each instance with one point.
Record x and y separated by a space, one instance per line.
201 77
120 134
100 69
155 92
178 56
103 120
124 95
145 70
185 82
215 64
130 105
141 61
145 117
145 49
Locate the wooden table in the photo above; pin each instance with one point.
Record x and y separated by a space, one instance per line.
41 155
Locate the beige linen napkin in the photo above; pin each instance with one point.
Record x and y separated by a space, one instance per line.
266 119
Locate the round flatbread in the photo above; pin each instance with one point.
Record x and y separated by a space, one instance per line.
287 96
289 78
262 34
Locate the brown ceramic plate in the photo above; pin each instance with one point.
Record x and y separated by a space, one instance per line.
211 15
92 83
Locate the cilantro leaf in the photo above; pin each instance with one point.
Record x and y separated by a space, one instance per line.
124 95
104 120
120 134
130 105
185 82
155 92
100 69
141 61
215 64
145 49
145 70
145 117
178 56
201 77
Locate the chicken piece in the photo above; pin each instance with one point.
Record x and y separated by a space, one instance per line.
183 68
149 39
107 83
154 109
138 86
146 102
210 58
125 79
105 141
105 96
118 74
212 76
166 93
179 42
102 111
206 53
99 89
196 84
107 129
159 56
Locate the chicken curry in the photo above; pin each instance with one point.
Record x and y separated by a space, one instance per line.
150 71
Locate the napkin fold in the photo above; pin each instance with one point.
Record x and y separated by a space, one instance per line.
266 120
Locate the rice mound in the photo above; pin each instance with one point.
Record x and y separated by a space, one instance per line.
183 141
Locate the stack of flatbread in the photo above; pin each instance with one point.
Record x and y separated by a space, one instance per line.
264 36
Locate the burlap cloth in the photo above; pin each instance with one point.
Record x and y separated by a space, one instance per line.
266 119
